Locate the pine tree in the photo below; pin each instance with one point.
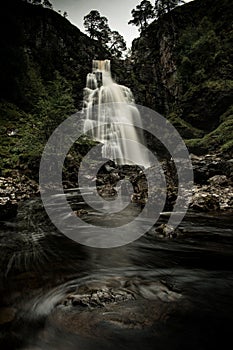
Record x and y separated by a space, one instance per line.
97 26
165 6
47 3
117 44
142 14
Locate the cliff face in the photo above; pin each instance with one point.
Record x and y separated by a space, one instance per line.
182 68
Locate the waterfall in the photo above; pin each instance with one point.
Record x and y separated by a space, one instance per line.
110 113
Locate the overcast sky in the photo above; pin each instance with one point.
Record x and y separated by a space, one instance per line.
118 13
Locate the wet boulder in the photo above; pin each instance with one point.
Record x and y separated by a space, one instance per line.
204 202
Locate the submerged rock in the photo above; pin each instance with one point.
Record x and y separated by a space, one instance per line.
98 298
167 231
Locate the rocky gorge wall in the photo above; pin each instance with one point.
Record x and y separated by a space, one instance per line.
181 66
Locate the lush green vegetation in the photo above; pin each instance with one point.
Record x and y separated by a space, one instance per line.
24 134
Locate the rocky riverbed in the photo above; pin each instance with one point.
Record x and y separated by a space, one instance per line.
213 178
212 190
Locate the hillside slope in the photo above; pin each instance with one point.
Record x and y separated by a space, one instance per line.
43 62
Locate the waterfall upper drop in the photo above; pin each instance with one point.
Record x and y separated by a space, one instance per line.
110 116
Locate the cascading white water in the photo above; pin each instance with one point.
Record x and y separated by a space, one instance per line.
110 112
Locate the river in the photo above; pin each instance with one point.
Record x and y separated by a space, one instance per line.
155 293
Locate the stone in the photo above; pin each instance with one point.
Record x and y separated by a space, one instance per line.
167 231
204 202
98 298
218 180
7 315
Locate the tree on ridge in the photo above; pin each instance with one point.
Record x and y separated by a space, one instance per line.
117 44
47 3
97 27
143 13
165 6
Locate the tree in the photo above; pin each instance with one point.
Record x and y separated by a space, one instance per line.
47 3
65 14
117 44
165 6
142 15
97 26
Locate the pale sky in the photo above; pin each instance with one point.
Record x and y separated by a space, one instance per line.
118 13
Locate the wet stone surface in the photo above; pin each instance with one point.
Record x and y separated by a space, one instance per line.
98 298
